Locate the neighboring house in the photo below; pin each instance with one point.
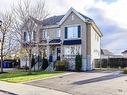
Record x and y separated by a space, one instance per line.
124 53
108 59
63 37
105 54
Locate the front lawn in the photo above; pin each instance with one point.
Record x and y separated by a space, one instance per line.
17 76
108 69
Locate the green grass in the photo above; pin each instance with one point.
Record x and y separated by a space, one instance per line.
125 70
16 76
108 68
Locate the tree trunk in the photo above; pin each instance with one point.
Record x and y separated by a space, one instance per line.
1 64
2 44
1 54
30 62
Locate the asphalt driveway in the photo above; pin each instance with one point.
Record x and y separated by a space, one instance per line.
87 83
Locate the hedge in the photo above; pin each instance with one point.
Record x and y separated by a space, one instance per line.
111 62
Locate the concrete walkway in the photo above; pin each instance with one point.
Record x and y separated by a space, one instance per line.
22 89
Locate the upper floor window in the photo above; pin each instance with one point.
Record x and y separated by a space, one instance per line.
96 52
58 33
29 36
45 34
33 36
72 17
72 32
26 37
96 37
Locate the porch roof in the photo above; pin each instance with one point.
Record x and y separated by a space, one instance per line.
55 41
72 42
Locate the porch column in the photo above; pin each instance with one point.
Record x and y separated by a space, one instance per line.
61 54
48 48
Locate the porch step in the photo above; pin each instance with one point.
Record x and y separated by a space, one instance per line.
36 67
50 68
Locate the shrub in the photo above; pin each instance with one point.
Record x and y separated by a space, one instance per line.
45 63
125 71
32 61
78 62
111 62
25 67
62 65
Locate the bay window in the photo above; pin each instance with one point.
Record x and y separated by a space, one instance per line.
72 50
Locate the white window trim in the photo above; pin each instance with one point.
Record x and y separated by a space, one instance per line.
58 33
72 26
68 51
44 34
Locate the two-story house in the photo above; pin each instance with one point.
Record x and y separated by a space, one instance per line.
64 36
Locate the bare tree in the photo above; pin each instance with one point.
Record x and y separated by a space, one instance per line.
5 29
28 16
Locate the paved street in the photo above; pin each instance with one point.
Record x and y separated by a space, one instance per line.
87 83
22 89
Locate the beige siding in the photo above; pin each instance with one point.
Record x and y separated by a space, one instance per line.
95 46
89 43
75 22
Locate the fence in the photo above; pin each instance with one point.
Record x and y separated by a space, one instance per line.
111 63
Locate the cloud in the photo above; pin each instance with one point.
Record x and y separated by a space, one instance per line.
62 6
115 11
115 34
109 15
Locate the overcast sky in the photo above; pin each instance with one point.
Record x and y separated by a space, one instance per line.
109 15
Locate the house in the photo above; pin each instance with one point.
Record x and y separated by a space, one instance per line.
105 54
108 59
124 53
63 37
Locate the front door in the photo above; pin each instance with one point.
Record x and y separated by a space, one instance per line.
58 53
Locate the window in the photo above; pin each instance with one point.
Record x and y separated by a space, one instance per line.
25 34
72 50
96 37
72 17
33 36
26 37
96 52
58 33
45 34
72 32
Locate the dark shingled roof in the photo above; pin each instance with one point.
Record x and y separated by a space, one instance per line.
86 17
55 41
54 20
106 52
72 42
124 52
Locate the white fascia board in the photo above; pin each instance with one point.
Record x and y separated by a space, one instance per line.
97 29
51 26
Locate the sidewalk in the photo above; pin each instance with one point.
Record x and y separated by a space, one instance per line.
22 89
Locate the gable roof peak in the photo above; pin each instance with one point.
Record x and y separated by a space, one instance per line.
72 9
